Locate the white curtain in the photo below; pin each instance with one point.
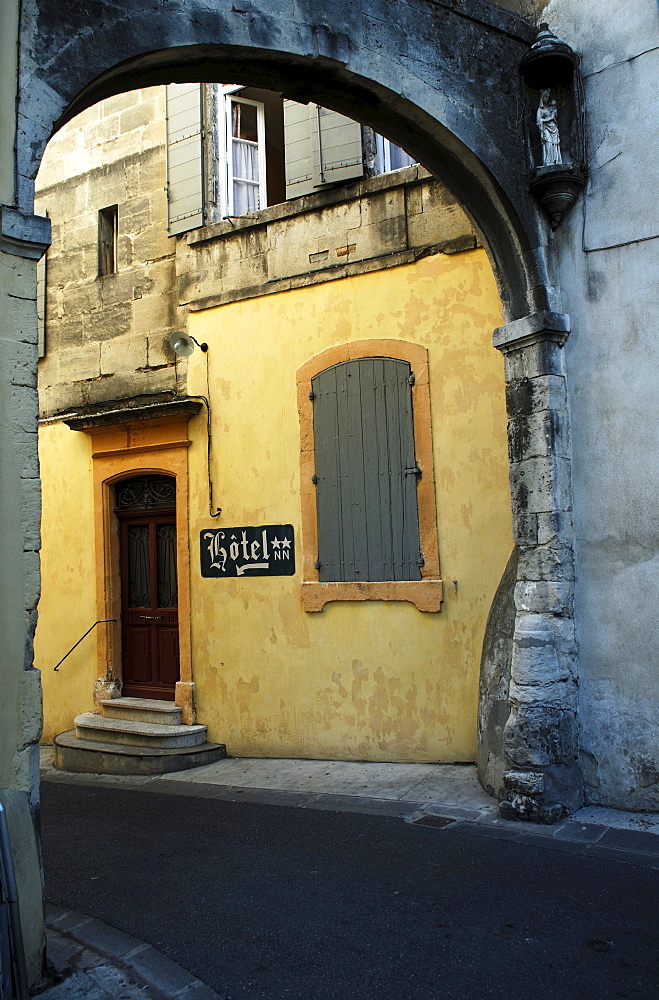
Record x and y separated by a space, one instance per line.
245 166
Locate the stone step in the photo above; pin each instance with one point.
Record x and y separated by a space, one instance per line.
166 713
138 734
96 757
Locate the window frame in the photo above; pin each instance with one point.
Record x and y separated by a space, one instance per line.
425 593
108 233
228 208
384 147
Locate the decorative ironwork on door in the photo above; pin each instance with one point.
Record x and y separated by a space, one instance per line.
166 565
139 578
145 493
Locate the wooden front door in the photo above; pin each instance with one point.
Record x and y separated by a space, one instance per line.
149 599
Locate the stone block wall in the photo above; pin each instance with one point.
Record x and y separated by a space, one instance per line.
106 337
390 219
535 750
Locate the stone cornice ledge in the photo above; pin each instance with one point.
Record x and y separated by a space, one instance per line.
530 329
23 235
133 414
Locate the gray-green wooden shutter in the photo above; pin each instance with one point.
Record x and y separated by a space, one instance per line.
185 193
321 147
297 150
368 522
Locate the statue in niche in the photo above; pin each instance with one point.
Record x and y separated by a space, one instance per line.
547 122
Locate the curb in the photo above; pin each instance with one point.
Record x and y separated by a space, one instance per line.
592 840
166 979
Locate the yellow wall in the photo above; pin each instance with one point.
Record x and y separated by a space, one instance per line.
68 599
371 681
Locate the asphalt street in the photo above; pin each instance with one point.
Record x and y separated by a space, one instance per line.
266 901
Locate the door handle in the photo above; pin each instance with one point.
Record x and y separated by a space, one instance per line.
151 618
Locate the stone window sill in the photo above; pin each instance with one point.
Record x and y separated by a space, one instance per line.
425 594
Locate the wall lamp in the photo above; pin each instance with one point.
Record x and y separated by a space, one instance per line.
183 344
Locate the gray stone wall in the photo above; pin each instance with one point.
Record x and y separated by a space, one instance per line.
530 9
428 75
20 541
539 742
494 686
608 250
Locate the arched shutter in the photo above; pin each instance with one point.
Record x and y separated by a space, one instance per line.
185 193
368 522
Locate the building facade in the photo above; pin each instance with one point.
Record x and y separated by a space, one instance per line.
569 690
365 643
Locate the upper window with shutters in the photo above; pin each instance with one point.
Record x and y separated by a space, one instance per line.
245 175
233 150
369 515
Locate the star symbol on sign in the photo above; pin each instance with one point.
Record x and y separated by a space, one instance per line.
275 543
286 543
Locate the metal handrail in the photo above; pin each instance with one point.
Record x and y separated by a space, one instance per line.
9 897
101 621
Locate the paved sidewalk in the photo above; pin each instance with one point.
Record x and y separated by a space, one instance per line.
92 961
439 795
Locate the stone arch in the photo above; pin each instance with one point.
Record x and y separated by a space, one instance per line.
441 79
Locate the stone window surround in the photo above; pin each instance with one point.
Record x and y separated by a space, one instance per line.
425 593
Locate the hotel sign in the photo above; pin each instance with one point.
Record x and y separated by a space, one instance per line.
267 550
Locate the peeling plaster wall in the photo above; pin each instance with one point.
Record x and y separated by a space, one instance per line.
609 254
367 680
378 681
371 680
68 604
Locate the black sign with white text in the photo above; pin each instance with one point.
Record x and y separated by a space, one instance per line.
264 551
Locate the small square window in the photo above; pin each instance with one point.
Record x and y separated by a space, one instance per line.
107 240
